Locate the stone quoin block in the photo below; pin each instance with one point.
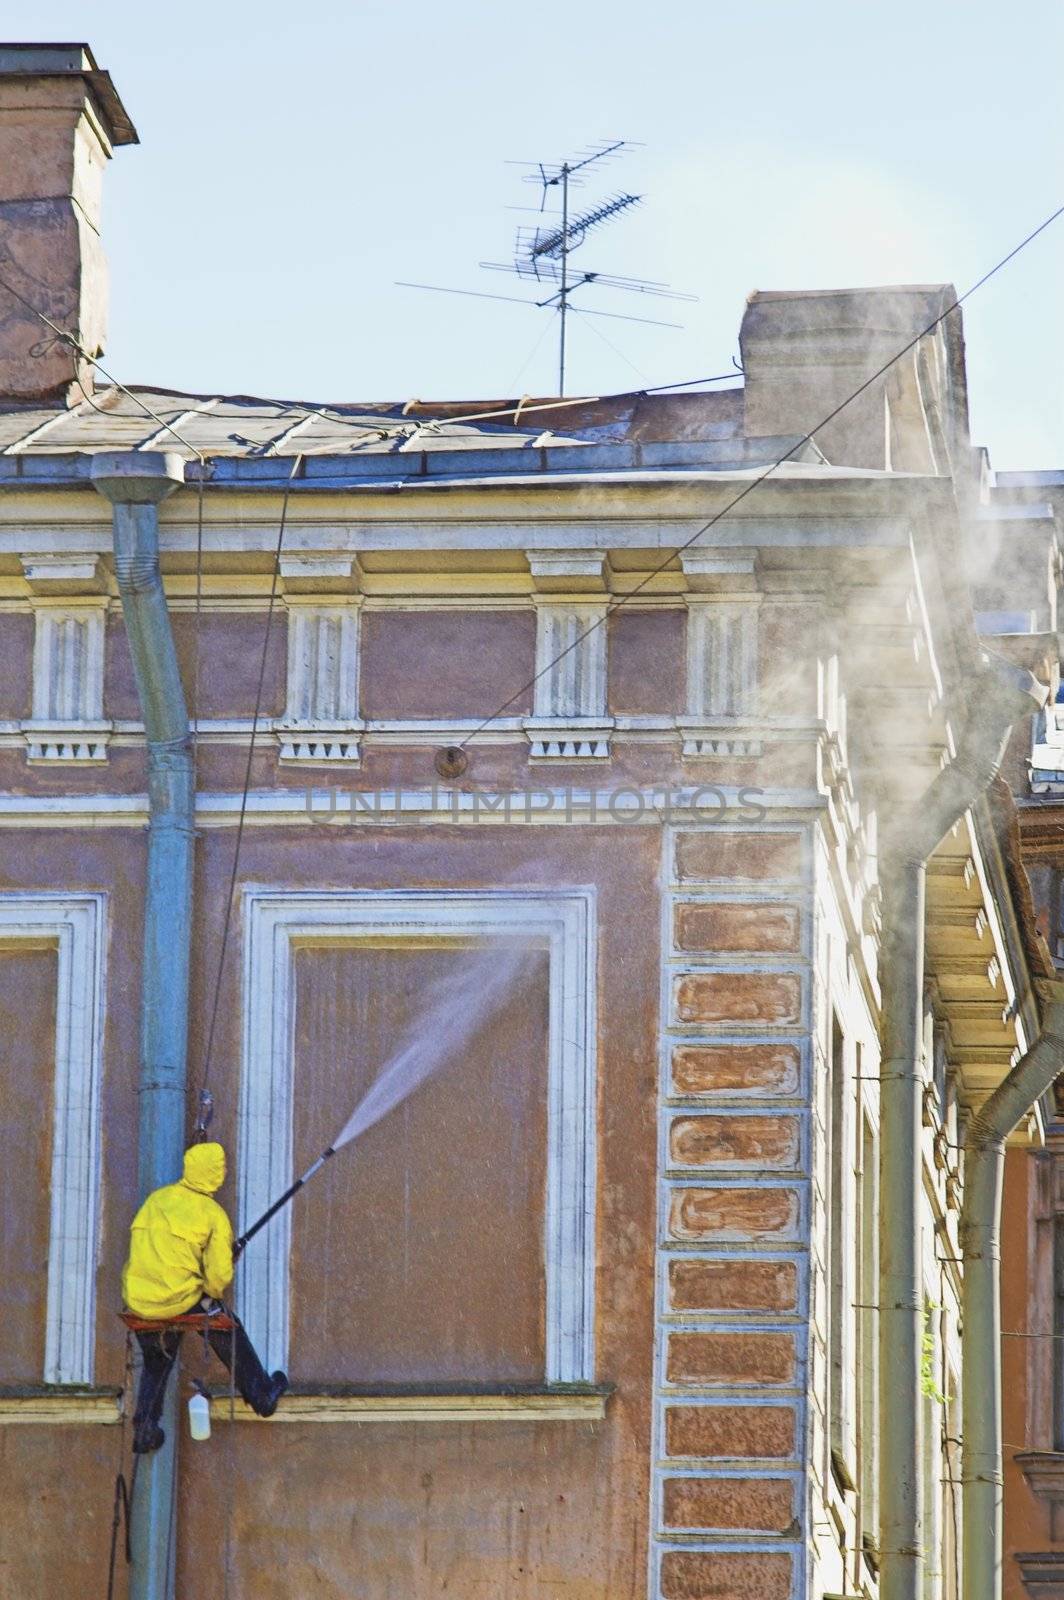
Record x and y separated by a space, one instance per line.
773 999
732 1285
759 856
738 1141
731 1357
733 1214
729 1432
734 1505
772 929
725 1575
736 1069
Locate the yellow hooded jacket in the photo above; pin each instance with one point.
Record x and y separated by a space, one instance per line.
181 1241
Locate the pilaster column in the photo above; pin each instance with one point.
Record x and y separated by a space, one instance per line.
570 719
67 722
722 655
321 721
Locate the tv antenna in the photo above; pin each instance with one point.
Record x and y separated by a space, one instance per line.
541 252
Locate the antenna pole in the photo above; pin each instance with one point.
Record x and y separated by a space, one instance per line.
563 297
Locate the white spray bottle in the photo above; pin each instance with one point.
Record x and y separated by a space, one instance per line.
199 1414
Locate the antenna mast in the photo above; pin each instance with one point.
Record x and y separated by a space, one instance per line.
541 253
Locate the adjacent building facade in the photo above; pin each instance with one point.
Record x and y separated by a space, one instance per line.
595 1313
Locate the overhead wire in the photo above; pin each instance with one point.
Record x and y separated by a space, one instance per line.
756 482
333 414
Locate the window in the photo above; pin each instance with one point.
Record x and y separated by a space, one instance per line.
841 1261
868 1332
933 1449
461 1200
419 1256
51 1009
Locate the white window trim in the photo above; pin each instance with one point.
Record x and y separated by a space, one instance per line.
74 925
276 921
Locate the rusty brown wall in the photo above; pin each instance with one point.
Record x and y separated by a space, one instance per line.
505 1508
647 662
61 1478
446 663
16 663
515 1509
220 655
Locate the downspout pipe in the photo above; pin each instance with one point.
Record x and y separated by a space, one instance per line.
980 1237
135 482
1000 695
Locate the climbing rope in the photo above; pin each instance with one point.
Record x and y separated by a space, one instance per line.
122 1511
297 464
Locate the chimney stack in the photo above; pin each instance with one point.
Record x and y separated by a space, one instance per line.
60 119
806 351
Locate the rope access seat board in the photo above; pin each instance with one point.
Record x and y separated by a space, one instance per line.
190 1322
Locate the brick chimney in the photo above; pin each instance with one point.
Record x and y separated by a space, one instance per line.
60 118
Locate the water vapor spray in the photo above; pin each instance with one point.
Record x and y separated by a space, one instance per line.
457 1006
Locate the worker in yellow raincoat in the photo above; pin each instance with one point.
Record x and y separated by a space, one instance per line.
180 1260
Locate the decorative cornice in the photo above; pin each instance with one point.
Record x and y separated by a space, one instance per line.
56 573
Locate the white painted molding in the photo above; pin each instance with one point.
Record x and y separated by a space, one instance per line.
552 804
75 924
569 570
569 738
569 720
563 922
721 676
57 574
68 723
321 721
567 1405
319 574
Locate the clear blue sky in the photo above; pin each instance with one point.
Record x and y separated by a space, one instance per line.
295 160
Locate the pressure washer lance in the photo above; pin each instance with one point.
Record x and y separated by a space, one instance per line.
282 1201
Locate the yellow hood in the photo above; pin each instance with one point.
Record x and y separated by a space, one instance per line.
204 1168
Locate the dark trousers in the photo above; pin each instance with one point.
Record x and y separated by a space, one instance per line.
159 1351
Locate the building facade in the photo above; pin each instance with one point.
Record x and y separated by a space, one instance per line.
642 687
1018 587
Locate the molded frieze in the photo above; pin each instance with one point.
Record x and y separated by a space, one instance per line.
321 721
68 654
721 678
569 720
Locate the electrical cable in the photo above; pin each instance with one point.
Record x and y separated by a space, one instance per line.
66 337
611 346
755 483
512 385
296 465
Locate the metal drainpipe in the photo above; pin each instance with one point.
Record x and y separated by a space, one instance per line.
1000 696
984 1167
135 483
